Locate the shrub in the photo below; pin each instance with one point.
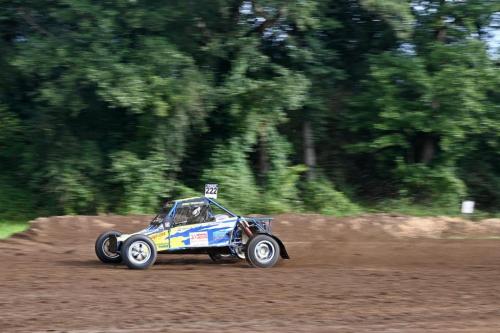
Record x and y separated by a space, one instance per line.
16 202
229 168
281 192
320 196
436 187
142 181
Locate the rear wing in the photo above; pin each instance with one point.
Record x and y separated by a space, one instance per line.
262 223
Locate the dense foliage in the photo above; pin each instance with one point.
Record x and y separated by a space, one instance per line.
112 106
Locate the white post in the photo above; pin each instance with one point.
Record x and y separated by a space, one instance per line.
467 207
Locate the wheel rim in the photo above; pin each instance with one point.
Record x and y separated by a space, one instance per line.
240 252
264 251
107 252
139 252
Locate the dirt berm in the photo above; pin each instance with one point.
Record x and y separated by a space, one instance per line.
371 273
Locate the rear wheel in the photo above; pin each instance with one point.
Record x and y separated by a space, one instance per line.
138 252
262 251
221 257
240 253
103 248
215 257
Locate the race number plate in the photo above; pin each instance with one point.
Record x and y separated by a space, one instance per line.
211 190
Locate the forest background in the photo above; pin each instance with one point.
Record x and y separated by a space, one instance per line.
327 106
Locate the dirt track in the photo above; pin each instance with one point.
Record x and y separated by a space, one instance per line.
376 273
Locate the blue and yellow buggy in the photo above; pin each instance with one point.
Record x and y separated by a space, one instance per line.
195 226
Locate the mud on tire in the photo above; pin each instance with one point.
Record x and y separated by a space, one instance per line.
103 251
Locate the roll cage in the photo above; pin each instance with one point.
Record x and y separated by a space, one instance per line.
169 215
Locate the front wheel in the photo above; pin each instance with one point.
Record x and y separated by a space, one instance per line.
104 250
138 252
262 251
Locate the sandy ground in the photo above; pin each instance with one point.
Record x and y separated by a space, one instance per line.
373 273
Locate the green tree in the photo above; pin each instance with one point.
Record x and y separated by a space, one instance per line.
421 104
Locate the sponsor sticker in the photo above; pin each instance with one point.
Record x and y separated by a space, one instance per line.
198 238
220 235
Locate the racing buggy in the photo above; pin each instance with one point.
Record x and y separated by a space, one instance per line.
195 226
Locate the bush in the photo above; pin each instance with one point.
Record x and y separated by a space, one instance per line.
180 191
436 187
16 202
281 192
321 197
229 168
142 181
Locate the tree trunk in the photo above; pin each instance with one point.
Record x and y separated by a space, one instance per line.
427 150
309 151
263 158
441 27
428 145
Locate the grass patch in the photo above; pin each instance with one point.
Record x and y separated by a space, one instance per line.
7 228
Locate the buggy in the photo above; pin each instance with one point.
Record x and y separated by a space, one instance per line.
197 225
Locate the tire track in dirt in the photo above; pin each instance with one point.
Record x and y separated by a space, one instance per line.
370 273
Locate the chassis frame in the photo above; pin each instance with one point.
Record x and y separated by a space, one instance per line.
243 229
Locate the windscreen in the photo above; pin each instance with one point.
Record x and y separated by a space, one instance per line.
160 217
